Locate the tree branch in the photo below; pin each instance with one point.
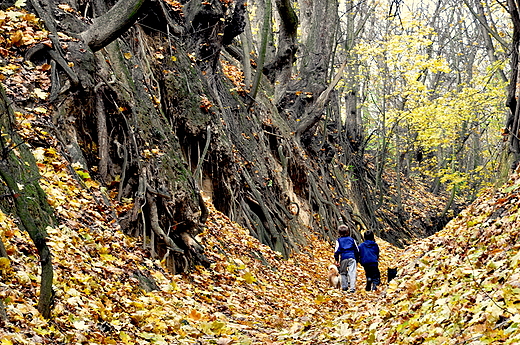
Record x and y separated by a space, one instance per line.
314 115
485 25
112 24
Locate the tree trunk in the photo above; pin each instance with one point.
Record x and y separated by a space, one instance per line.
21 178
265 37
513 121
486 33
280 69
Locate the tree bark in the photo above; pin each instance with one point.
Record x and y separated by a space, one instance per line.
112 24
512 123
479 15
487 32
315 113
31 207
279 70
266 33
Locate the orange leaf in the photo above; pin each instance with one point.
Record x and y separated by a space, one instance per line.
16 38
195 315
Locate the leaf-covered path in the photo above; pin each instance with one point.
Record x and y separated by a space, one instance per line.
458 286
250 295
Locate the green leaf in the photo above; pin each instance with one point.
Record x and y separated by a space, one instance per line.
83 174
511 188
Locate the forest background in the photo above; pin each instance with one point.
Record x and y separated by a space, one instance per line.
288 117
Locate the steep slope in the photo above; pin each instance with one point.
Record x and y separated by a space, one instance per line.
459 285
249 295
462 284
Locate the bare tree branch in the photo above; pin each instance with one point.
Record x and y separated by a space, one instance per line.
313 116
112 24
484 23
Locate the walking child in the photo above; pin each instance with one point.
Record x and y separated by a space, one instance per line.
346 254
369 257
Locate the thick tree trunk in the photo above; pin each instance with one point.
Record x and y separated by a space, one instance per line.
513 121
21 178
279 70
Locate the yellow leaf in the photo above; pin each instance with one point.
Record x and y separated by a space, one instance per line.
174 58
80 325
216 326
16 38
205 327
494 310
40 93
125 337
66 8
345 330
107 257
4 263
249 278
128 56
40 110
392 286
39 154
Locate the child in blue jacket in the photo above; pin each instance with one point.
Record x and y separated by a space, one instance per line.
346 254
369 257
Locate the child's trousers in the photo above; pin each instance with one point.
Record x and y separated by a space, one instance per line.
348 272
373 276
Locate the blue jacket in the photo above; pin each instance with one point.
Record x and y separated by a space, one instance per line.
368 252
346 248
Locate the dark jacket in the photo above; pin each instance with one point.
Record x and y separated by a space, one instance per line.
346 248
368 252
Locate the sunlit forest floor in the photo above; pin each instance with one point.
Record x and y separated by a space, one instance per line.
460 286
249 295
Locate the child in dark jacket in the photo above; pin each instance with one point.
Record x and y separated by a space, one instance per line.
347 254
369 257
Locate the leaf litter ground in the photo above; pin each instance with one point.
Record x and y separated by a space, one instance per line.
459 286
